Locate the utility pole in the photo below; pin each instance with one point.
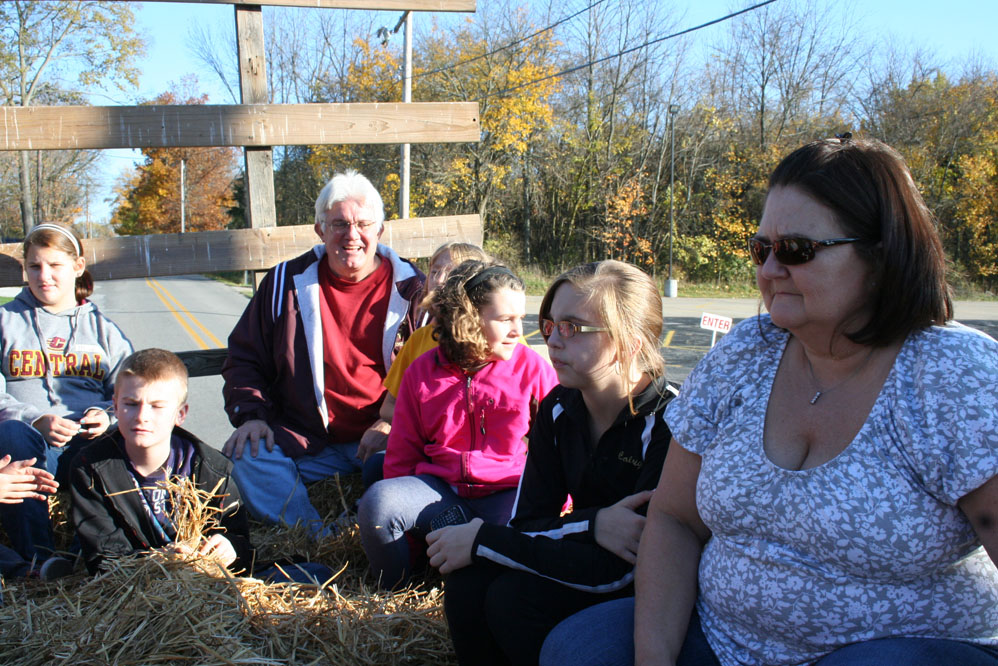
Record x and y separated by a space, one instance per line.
183 193
86 209
407 98
672 287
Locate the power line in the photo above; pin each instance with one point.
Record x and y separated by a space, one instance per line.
590 63
508 46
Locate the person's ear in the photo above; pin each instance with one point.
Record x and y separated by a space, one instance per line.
320 230
181 414
79 266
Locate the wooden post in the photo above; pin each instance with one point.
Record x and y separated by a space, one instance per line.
253 88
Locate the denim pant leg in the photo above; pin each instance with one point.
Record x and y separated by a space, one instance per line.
11 564
373 470
392 507
911 652
601 635
27 524
496 508
273 485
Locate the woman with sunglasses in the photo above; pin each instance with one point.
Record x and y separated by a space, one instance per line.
598 441
831 495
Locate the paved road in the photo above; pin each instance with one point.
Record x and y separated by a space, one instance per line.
179 314
185 313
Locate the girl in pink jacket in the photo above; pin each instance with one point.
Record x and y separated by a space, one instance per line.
458 441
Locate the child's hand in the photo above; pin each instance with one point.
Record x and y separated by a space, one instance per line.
94 424
20 481
178 548
220 549
56 430
374 439
619 526
450 547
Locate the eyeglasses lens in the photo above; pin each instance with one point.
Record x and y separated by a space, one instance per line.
789 251
566 329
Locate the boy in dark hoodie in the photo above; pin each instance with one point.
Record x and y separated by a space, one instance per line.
120 502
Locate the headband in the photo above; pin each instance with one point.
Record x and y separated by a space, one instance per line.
485 275
62 230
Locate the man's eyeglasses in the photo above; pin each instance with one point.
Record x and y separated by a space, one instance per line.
340 226
567 329
791 251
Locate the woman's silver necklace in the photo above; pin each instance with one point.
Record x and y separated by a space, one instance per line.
814 380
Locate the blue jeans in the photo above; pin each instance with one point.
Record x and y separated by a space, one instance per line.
27 524
311 573
273 485
571 643
911 652
392 507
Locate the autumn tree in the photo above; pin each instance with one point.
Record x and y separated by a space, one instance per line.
40 42
149 200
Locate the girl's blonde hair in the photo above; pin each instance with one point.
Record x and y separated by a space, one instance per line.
628 304
457 322
60 237
459 253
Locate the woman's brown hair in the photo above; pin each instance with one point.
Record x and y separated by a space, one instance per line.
868 187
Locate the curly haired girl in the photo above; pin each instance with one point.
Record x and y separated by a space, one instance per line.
457 445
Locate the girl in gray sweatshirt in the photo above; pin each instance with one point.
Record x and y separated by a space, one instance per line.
59 356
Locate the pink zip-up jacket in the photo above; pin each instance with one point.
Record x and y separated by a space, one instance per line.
468 430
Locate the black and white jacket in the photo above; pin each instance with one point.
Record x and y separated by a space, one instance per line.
563 461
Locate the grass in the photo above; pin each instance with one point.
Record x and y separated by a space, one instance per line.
537 281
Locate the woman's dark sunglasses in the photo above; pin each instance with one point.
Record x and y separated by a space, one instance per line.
567 329
791 251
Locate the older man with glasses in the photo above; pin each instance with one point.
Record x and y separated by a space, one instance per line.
307 358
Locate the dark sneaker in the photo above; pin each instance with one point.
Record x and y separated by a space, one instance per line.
56 567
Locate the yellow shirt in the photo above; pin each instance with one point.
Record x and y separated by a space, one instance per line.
420 342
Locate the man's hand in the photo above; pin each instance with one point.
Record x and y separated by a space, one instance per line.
252 431
619 526
450 547
374 439
56 430
218 548
20 481
94 424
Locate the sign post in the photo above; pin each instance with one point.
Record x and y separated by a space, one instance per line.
715 323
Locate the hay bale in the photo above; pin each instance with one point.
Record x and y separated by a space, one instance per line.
165 608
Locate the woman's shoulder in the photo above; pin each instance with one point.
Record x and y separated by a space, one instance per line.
951 348
945 368
559 400
745 345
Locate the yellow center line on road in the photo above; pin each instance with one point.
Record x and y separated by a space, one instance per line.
668 339
534 332
163 295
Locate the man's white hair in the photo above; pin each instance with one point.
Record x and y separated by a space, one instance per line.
353 186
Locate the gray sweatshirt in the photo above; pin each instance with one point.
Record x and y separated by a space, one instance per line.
61 364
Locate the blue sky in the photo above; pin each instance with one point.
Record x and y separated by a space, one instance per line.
952 29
